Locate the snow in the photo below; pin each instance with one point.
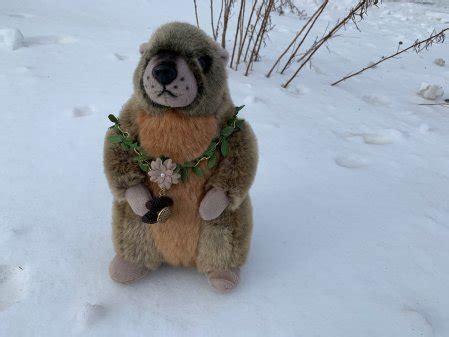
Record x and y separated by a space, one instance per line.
350 202
11 38
431 91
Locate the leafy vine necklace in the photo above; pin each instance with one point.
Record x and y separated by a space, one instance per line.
164 171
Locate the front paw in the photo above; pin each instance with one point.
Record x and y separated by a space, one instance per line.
213 204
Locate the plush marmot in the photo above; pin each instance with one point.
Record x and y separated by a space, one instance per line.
180 107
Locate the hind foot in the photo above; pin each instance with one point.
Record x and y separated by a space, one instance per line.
224 280
122 271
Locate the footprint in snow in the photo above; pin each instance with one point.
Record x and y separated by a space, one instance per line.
89 314
382 137
82 111
20 15
48 39
419 323
13 285
376 100
351 162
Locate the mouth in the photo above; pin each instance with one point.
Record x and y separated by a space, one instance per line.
166 91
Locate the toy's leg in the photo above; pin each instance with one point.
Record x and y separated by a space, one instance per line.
122 271
134 246
223 246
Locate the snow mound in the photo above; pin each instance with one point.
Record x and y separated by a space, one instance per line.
440 62
13 282
431 91
11 38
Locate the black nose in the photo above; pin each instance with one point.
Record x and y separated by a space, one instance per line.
165 72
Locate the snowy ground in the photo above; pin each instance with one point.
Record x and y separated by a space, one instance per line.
351 199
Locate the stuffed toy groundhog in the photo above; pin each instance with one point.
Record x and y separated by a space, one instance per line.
180 163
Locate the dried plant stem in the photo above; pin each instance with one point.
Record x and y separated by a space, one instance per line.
310 21
217 27
211 5
295 52
417 46
253 30
238 29
358 11
226 16
444 105
196 14
259 38
242 43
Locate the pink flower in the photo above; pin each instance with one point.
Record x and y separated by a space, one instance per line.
163 173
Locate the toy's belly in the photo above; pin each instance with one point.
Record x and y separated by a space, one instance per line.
181 139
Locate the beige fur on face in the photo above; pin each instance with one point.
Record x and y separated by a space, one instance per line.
179 93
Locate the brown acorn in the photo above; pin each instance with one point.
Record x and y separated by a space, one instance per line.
159 210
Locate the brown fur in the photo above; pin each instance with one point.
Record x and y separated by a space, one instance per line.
181 138
185 239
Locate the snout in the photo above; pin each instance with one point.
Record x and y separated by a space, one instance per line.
165 72
169 81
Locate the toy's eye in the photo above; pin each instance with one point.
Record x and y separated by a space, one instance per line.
205 62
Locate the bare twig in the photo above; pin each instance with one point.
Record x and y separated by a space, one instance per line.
356 12
260 34
417 46
196 14
253 29
211 5
219 20
444 105
238 29
226 15
295 52
248 25
311 20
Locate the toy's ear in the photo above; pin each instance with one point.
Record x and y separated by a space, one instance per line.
224 55
143 47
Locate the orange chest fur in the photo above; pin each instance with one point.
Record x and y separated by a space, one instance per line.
182 139
179 137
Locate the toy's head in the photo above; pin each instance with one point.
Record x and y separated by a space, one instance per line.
181 68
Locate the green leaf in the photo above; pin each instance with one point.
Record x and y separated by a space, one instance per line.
112 118
240 123
184 174
144 167
238 108
212 161
115 139
224 147
227 131
197 171
189 164
210 150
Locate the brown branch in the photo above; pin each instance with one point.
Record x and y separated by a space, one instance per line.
261 32
418 46
254 29
226 15
242 44
358 11
295 52
211 5
237 30
219 19
196 14
316 14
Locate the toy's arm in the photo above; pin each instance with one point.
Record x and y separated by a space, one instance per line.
230 184
121 171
